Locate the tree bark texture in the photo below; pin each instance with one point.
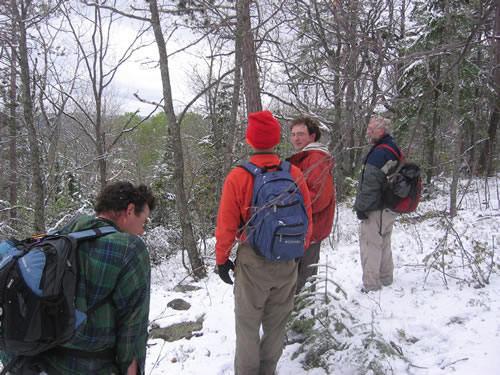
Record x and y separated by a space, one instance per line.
249 66
29 120
489 150
454 117
238 63
431 129
13 125
182 207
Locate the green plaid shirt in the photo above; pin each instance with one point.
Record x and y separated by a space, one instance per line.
116 265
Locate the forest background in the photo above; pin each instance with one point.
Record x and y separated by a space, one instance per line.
432 66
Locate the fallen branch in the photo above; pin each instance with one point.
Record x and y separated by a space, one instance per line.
452 363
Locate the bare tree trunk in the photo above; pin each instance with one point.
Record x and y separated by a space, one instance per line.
454 119
188 238
219 121
98 85
28 110
457 138
336 139
402 21
476 114
52 161
430 134
489 151
250 73
100 143
491 142
13 187
346 56
349 123
238 62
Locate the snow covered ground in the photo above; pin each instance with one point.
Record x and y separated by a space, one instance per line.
442 324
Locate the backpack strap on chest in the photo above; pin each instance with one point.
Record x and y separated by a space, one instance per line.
400 157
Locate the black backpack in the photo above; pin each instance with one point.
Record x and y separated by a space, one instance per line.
38 280
403 188
278 226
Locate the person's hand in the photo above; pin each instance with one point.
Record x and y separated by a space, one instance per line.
361 215
224 271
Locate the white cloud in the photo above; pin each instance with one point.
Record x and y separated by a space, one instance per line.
141 75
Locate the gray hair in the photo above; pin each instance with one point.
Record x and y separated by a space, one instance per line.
382 123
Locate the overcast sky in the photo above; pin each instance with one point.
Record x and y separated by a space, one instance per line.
141 75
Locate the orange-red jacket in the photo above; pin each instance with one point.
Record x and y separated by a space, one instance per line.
316 164
236 199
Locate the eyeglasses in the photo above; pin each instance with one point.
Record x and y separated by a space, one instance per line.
298 135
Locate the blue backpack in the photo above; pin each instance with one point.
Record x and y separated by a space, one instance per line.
38 280
278 226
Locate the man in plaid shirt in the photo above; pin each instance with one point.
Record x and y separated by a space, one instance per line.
114 273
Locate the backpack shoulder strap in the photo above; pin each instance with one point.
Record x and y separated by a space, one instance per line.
400 157
256 171
250 168
92 233
285 165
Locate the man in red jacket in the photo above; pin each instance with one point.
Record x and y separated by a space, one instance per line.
316 164
264 290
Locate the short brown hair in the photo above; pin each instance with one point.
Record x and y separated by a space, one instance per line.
311 124
118 195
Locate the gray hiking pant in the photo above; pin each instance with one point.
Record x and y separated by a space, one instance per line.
375 247
311 256
263 295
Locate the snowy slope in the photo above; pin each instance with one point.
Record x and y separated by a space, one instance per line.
443 325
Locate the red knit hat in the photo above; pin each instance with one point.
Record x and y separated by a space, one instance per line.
263 130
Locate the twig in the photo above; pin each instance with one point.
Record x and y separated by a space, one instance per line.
452 363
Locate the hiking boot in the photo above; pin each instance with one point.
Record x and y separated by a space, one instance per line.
386 281
367 290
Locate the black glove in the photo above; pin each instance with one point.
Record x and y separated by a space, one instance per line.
361 215
224 271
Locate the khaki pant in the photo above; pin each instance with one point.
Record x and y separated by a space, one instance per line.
311 256
375 248
264 295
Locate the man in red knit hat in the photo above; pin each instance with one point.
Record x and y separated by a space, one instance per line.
264 290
